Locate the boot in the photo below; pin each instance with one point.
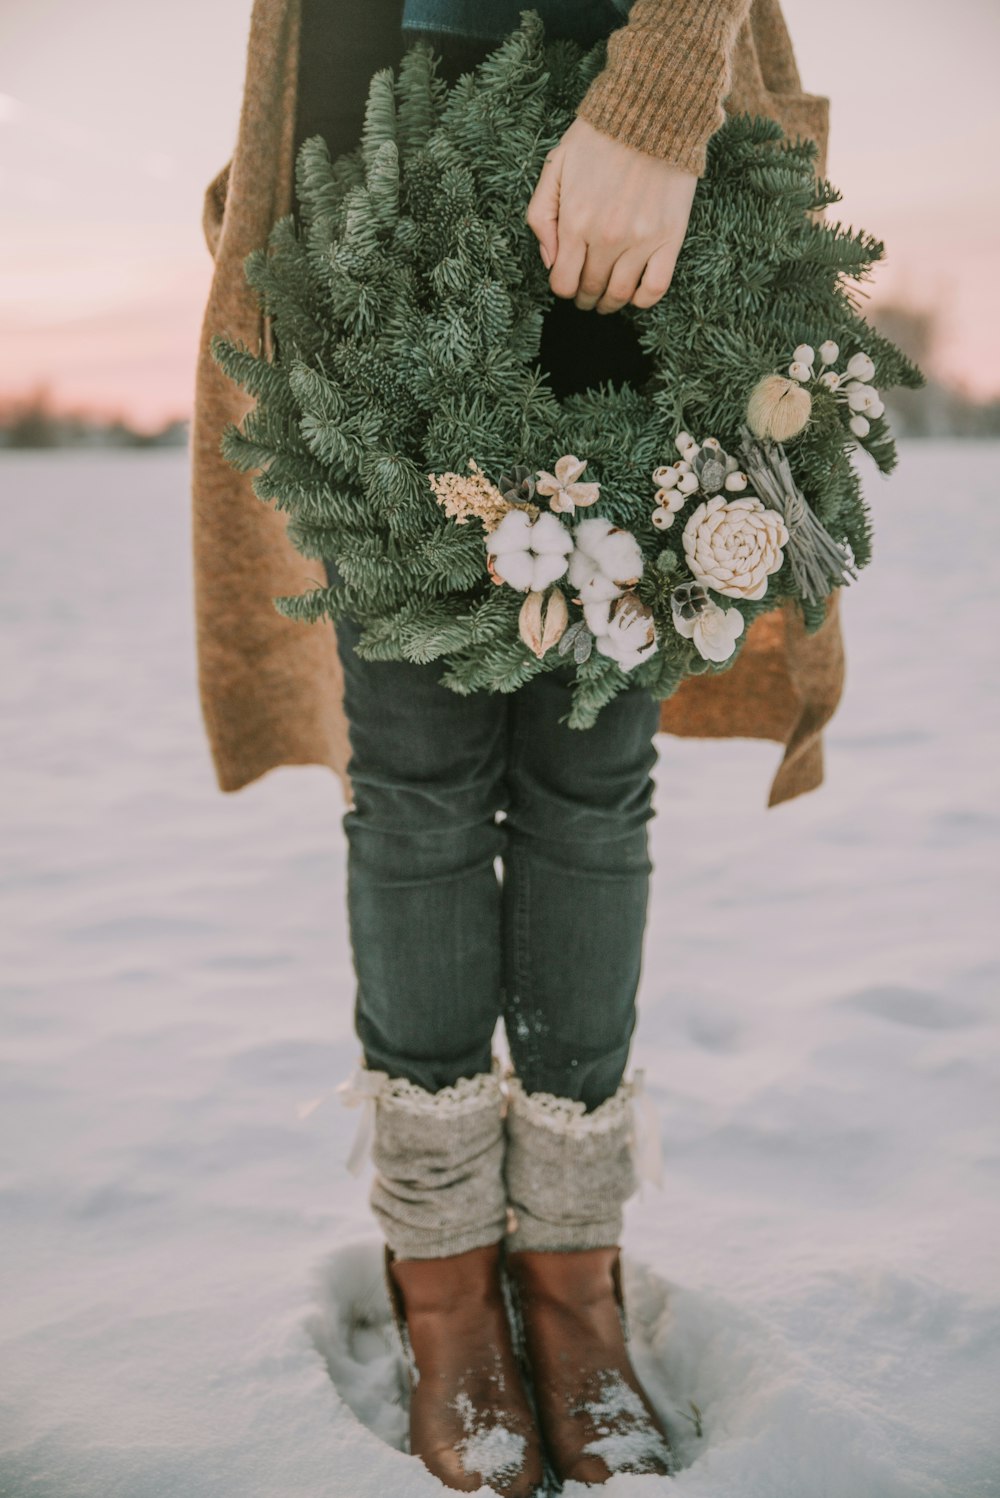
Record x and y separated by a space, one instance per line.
593 1413
470 1419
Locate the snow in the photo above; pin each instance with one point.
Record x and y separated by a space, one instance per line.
193 1288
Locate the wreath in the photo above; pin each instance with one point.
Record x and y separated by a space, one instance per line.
405 425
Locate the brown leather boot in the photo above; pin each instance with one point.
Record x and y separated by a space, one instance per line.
470 1419
594 1414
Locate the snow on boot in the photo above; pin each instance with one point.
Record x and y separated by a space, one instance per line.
470 1420
595 1417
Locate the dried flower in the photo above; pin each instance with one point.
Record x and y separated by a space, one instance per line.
734 545
562 485
543 619
778 408
713 629
463 496
528 553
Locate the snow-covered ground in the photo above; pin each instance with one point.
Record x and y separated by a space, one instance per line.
186 1264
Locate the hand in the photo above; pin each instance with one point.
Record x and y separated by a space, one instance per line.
610 220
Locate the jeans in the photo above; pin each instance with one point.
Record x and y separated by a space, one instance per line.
445 785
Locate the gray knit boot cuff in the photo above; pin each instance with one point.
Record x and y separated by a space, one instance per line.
568 1172
438 1186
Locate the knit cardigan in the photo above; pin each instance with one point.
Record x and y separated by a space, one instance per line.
272 689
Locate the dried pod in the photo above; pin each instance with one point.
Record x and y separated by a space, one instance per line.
778 408
542 620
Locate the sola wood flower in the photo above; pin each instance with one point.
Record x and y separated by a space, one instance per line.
543 620
605 561
463 495
623 628
734 545
528 553
713 629
566 493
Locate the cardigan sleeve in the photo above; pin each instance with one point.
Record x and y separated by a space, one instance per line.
668 70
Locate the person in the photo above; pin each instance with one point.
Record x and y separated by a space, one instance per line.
497 862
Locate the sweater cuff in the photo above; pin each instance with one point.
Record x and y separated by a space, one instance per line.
668 71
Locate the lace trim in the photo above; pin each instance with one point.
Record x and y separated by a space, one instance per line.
565 1115
467 1095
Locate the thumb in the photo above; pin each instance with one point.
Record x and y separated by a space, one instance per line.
542 215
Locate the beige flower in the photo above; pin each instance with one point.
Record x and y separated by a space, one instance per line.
714 631
623 628
566 493
463 496
733 545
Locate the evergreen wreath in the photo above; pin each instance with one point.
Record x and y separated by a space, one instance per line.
405 426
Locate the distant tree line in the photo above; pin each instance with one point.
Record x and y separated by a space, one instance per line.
34 421
939 410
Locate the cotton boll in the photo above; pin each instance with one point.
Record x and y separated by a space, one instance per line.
512 533
548 536
589 581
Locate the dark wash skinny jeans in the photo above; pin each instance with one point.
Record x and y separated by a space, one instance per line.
442 947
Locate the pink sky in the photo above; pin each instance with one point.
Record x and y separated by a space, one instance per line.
113 116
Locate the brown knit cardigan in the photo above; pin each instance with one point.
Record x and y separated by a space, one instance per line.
272 690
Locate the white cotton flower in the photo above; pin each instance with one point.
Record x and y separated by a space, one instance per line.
623 628
566 493
527 553
829 352
734 545
714 631
860 367
605 560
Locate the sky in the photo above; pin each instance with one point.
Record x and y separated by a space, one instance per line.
115 116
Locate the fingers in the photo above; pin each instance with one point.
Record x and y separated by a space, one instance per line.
542 216
624 279
656 277
564 278
594 276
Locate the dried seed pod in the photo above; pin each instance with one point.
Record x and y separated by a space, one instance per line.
778 408
543 619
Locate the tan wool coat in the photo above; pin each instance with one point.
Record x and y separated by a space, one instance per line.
271 689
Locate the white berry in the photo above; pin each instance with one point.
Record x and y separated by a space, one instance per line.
804 354
860 426
663 518
665 477
800 371
829 352
736 482
860 367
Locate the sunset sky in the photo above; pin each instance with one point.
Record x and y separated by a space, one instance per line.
114 116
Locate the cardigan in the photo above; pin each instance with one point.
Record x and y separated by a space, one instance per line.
271 689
